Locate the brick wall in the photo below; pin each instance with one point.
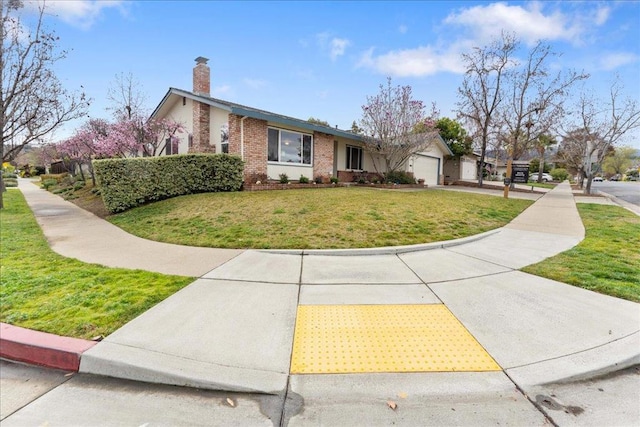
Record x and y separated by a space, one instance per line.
255 144
322 155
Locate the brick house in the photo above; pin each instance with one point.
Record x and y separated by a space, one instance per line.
271 144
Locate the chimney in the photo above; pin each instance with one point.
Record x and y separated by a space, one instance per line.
201 114
201 77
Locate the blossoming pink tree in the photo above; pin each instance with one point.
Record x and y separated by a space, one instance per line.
98 139
394 127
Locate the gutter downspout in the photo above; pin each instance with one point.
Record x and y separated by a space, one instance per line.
242 137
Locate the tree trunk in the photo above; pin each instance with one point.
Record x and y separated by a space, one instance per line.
587 190
481 166
541 168
2 190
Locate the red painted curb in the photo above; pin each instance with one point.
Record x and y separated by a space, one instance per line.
41 348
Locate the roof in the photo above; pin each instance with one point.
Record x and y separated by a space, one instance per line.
437 138
243 110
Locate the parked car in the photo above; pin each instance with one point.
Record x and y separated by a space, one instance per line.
598 179
615 177
545 177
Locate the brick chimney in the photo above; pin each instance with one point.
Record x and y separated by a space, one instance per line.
201 77
201 126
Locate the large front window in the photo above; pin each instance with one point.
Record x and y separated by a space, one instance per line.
354 158
289 147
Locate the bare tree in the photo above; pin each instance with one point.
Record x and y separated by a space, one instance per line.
481 91
534 100
602 124
32 100
126 97
389 122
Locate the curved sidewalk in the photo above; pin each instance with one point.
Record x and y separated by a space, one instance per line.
233 328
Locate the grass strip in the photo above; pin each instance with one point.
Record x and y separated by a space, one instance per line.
42 290
607 260
318 218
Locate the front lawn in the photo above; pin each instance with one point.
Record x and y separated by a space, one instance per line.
42 290
607 260
318 218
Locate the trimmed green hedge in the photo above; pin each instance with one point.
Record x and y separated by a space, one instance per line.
127 183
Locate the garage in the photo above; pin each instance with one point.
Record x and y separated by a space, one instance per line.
427 168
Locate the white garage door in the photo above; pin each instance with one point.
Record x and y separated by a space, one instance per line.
426 168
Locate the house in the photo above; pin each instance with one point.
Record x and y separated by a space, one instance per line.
463 168
272 144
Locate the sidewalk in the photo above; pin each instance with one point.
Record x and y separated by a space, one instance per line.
240 325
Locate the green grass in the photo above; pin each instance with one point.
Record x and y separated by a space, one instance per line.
540 185
607 260
318 218
42 290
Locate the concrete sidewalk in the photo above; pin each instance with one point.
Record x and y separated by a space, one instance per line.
76 233
234 328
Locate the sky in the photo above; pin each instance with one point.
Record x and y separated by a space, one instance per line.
322 59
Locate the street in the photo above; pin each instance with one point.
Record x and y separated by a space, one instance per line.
627 191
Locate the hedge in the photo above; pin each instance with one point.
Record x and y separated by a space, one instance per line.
127 183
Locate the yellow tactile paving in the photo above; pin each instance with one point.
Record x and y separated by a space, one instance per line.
384 338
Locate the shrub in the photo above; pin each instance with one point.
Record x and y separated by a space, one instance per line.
10 182
130 182
9 175
284 179
399 177
303 179
333 180
559 174
78 185
48 183
318 179
57 176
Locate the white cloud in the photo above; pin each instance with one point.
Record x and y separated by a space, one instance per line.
602 15
334 45
254 83
421 61
221 90
82 13
612 61
338 46
478 25
402 29
530 23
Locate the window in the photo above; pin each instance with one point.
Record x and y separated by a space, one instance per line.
224 138
190 140
354 158
171 147
285 146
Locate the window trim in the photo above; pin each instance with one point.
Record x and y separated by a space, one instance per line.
302 135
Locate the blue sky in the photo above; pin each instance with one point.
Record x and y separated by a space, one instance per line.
322 59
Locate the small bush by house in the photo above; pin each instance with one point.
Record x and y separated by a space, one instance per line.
399 177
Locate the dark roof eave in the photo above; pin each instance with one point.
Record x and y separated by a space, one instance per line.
290 121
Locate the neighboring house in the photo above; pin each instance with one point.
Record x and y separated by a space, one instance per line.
272 144
461 168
